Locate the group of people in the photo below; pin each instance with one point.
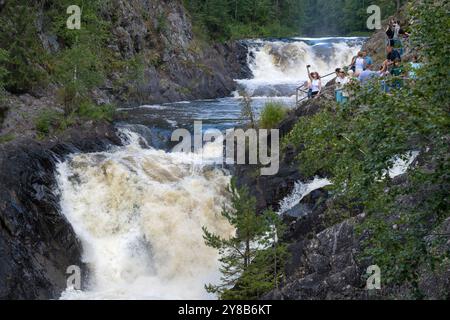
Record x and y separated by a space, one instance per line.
362 71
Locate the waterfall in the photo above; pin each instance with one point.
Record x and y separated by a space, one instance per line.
139 211
139 214
279 66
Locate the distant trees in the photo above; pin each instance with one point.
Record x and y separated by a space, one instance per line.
224 19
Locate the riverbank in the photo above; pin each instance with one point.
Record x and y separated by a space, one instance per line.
149 55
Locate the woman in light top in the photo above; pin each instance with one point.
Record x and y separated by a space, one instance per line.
359 63
314 84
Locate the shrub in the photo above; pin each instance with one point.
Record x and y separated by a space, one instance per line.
356 145
47 120
3 71
272 115
90 111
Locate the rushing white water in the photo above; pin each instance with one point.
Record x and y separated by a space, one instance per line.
139 213
402 164
279 66
301 190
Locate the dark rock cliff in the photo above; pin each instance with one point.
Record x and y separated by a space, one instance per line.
178 66
37 244
173 63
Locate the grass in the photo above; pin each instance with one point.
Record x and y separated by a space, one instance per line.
272 115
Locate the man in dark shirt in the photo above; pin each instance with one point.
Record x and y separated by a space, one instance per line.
392 54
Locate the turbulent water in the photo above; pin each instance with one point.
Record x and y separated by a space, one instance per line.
278 67
301 190
139 211
139 214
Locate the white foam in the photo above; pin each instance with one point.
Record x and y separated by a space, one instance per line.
278 62
139 214
402 164
301 190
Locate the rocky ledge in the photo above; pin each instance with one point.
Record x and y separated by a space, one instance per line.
37 243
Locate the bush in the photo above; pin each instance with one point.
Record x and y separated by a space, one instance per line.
356 144
47 121
272 115
90 111
3 71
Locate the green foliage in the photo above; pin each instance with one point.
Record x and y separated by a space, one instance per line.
3 70
47 120
52 121
252 261
94 30
134 74
82 65
3 74
78 70
79 64
224 19
26 60
272 115
357 143
237 19
90 111
162 24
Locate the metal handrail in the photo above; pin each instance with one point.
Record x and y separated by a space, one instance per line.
300 89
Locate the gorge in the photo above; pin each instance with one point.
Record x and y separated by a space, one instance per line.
110 195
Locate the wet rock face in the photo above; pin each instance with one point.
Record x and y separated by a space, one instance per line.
325 267
37 243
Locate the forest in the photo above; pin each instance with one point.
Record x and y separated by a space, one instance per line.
231 19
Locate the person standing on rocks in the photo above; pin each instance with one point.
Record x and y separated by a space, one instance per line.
359 63
314 84
392 55
368 59
341 81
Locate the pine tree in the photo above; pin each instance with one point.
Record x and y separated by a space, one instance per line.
251 261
